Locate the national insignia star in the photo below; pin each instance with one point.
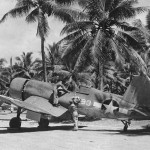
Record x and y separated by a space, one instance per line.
110 108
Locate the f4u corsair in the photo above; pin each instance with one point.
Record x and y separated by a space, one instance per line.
35 97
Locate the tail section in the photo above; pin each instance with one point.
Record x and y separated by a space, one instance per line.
138 92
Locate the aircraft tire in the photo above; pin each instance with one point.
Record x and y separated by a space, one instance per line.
15 123
43 123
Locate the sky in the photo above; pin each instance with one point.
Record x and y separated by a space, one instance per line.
17 36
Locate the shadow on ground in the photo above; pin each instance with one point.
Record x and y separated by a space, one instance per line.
36 129
133 132
130 132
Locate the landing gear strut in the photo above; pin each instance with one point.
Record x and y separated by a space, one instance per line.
126 124
16 121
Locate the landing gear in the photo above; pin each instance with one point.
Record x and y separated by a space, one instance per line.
43 123
16 121
126 124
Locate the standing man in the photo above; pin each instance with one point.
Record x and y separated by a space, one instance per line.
73 108
55 96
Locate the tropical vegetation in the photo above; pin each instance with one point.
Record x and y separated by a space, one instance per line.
100 47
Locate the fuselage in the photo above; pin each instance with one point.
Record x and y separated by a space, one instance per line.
94 103
97 104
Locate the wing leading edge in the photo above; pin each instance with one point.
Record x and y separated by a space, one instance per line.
36 104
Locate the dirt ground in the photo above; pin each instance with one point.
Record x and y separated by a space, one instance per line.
103 135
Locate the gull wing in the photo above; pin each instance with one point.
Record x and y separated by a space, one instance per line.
36 104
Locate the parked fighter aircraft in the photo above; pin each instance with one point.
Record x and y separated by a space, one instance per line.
35 97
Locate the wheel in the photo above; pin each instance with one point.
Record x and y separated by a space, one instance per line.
15 122
43 123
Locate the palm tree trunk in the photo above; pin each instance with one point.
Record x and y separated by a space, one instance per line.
101 84
43 60
101 79
11 70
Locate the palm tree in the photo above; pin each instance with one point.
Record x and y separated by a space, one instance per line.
142 36
24 66
39 10
7 72
75 71
53 57
3 79
146 54
53 61
104 31
2 62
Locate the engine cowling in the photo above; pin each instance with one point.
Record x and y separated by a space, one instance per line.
21 88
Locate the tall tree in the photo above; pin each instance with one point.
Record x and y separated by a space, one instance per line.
39 10
74 76
53 60
106 31
146 55
2 62
25 65
3 78
53 57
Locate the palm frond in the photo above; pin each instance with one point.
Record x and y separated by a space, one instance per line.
32 17
2 62
124 26
130 39
43 27
95 9
21 3
125 10
97 5
28 59
16 12
98 43
71 37
119 58
111 4
148 20
68 15
138 60
84 59
18 58
139 10
134 56
72 46
63 16
75 26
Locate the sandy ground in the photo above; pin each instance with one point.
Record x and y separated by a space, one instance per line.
102 135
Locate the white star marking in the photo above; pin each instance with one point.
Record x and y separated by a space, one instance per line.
110 108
